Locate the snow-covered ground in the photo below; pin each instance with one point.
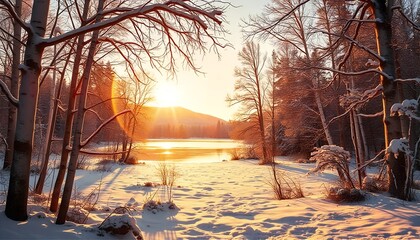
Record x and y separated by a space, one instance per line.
223 200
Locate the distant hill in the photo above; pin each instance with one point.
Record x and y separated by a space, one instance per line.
179 122
180 115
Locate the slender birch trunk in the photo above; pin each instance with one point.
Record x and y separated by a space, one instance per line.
51 126
14 88
69 118
322 116
17 197
78 125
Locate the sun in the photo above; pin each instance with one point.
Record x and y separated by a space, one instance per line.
166 95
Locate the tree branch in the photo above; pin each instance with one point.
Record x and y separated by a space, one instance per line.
15 16
14 101
399 9
85 142
165 7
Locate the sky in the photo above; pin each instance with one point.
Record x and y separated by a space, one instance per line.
207 93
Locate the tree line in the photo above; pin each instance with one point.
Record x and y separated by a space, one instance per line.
219 130
340 73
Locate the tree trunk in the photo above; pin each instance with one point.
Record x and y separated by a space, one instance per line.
396 166
17 197
69 118
50 129
14 88
322 116
71 172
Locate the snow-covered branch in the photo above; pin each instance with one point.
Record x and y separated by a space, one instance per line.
90 152
408 107
378 114
8 94
367 71
352 102
416 80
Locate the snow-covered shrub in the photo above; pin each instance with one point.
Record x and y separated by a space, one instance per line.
38 199
338 194
77 215
333 157
121 224
105 165
157 206
374 184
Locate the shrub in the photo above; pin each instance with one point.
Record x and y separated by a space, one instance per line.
131 160
284 187
105 165
77 215
82 163
374 184
168 175
120 222
149 184
333 157
338 194
235 154
82 205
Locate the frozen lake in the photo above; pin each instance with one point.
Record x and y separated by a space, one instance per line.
191 150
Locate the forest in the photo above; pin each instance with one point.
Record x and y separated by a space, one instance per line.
338 82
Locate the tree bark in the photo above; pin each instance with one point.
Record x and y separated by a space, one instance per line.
14 88
17 197
396 166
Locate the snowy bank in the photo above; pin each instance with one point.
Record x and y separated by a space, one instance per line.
224 200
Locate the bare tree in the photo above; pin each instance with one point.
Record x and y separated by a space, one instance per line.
250 93
134 95
287 21
14 86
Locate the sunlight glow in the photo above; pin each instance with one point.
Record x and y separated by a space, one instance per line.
166 94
